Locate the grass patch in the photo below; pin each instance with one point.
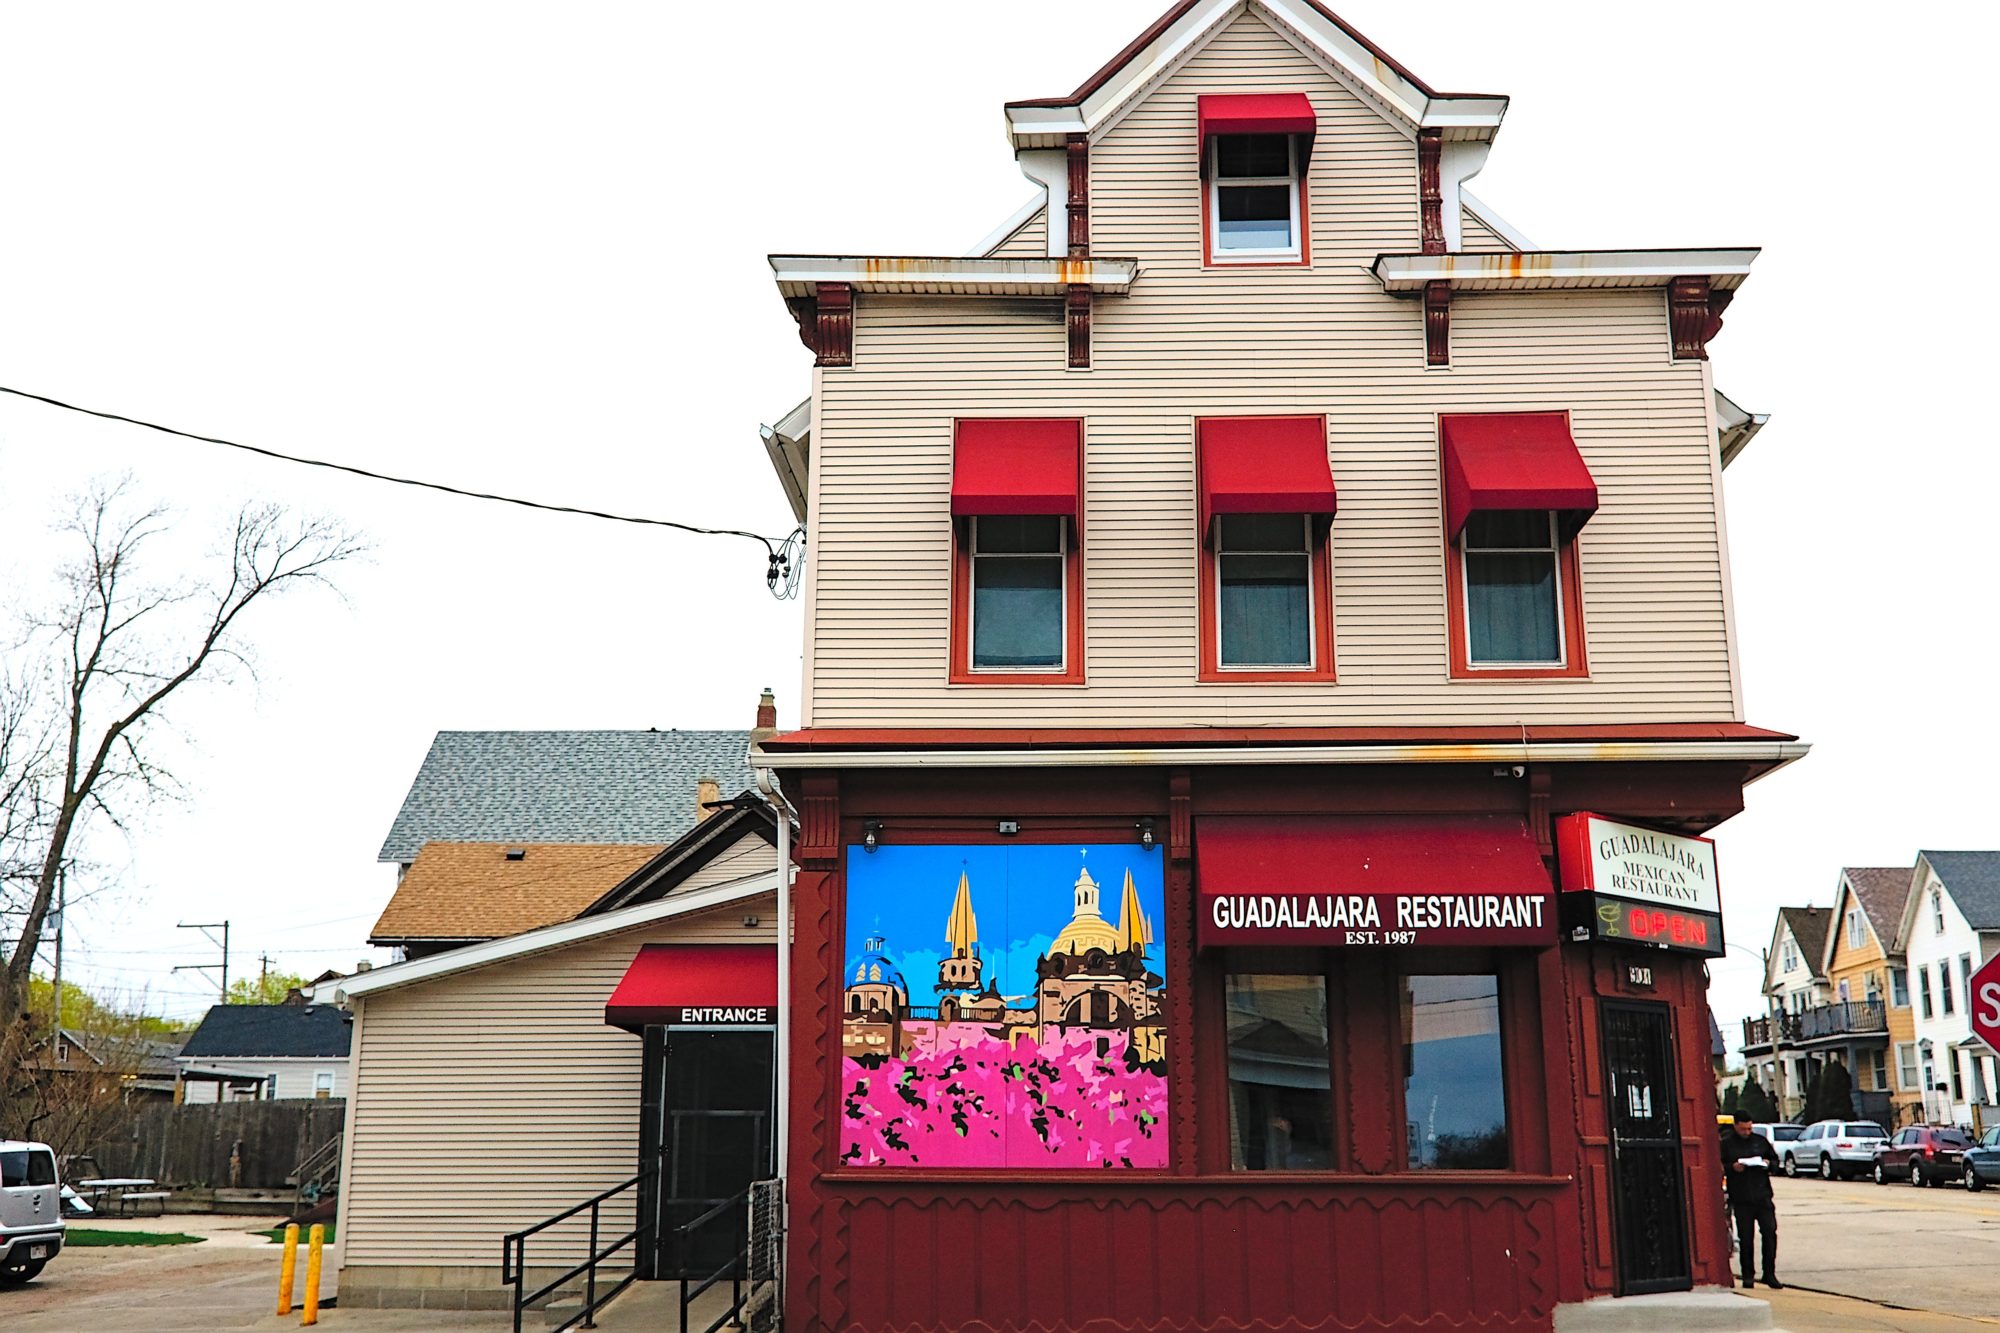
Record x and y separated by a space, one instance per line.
86 1237
305 1234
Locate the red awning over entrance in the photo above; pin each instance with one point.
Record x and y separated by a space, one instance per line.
1011 467
1263 465
1385 880
1514 460
701 985
1255 113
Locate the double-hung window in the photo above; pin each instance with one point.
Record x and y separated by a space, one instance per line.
1266 506
1016 579
1018 616
1512 566
1254 198
1516 493
1946 1003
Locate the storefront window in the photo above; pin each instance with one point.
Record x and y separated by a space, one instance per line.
1280 1101
1454 1093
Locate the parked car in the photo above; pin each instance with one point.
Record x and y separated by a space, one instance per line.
1922 1155
1981 1162
1780 1135
31 1225
1833 1149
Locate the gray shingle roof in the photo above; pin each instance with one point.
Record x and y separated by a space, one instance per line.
563 786
1881 891
1809 929
1973 880
270 1029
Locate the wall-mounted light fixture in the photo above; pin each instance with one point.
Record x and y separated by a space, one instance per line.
1146 838
1009 827
871 834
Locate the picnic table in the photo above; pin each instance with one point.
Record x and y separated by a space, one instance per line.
127 1192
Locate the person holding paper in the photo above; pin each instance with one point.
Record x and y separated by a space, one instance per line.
1747 1158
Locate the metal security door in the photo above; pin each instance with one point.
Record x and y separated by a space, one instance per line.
716 1124
1649 1202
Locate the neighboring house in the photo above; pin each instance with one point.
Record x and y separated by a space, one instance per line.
1223 586
531 1025
1867 1023
1949 927
1794 981
144 1065
266 1052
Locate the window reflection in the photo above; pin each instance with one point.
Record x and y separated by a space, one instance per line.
1454 1096
1280 1103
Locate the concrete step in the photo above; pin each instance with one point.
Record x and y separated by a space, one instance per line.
1704 1310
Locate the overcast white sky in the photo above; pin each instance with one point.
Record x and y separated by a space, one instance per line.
521 247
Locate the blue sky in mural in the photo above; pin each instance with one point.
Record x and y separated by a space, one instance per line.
1022 895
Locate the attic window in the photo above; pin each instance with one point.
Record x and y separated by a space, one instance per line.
517 853
1254 150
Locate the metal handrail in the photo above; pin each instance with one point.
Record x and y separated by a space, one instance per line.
735 1268
514 1258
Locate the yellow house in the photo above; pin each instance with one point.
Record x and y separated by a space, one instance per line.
1867 1022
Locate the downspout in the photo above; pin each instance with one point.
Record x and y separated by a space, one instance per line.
767 783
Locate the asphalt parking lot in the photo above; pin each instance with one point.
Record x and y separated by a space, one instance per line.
1929 1249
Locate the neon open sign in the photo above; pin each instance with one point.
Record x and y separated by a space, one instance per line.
1627 922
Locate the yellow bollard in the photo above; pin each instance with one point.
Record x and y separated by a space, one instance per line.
318 1238
289 1268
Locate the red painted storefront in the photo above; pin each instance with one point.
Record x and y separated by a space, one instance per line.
1197 1245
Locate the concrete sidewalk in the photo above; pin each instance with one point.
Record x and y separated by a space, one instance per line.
1795 1310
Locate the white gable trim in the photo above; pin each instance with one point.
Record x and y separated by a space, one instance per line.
1468 117
549 937
1502 228
1016 220
1845 901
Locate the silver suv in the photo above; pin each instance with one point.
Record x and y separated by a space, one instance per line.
31 1225
1834 1149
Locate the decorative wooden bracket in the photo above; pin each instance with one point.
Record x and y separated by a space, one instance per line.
1540 783
1076 309
819 822
1079 197
1694 312
1430 190
1437 323
1180 815
826 323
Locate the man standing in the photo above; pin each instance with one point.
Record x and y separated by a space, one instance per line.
1747 1157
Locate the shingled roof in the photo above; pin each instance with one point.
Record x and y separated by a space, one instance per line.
1808 927
231 1031
623 787
482 890
1973 880
1881 891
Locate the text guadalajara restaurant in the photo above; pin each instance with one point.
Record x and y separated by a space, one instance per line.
1269 673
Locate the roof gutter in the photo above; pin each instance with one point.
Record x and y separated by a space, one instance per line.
1775 754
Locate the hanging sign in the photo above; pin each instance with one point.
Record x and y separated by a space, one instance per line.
1637 885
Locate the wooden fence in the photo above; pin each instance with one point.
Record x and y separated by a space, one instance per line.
221 1145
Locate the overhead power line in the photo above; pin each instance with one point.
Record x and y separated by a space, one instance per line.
782 553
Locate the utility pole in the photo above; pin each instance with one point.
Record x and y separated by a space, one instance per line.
204 927
62 896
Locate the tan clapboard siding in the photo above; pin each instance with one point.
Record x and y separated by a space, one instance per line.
1190 342
1028 241
750 856
1476 235
489 1100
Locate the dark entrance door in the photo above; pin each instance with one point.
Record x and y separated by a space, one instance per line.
1648 1203
707 1125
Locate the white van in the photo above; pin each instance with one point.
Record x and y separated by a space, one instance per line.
31 1225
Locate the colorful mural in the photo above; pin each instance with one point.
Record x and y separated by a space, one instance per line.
1003 1007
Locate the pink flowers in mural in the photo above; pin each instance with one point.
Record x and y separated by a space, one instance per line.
1079 1099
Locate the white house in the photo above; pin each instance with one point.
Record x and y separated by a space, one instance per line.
266 1052
1950 926
1794 981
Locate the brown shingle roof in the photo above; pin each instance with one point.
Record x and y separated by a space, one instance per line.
472 891
1808 925
1881 891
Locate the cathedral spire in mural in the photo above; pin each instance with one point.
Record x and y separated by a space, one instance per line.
961 930
1134 931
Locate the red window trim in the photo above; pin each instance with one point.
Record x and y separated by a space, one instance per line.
1208 259
961 672
1577 664
1322 669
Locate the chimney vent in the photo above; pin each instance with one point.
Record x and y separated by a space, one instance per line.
767 718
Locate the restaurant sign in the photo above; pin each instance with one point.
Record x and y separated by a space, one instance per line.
1637 885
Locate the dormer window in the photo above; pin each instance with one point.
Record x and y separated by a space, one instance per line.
1254 197
1254 149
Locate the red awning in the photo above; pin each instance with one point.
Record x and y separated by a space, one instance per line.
1255 113
703 985
1263 465
1514 460
1386 880
1011 466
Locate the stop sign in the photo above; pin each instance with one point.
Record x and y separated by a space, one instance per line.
1986 1004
